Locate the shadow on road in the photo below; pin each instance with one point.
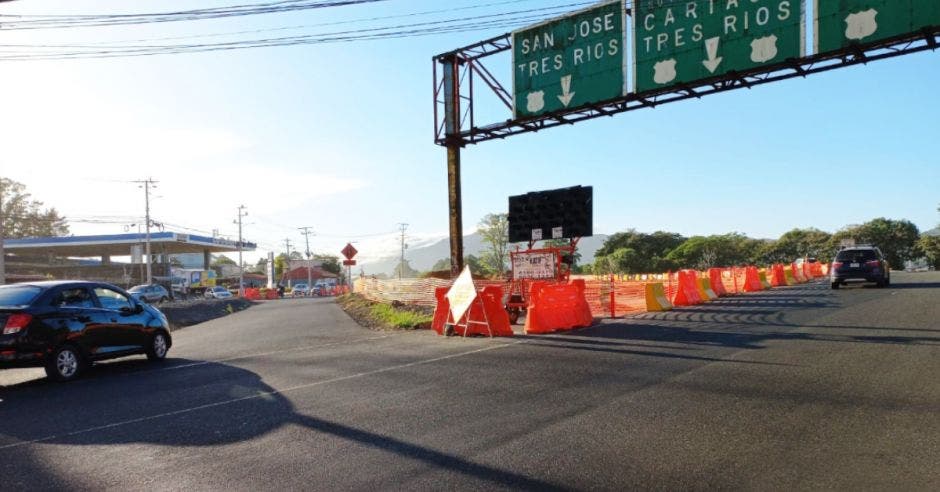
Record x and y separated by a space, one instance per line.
184 403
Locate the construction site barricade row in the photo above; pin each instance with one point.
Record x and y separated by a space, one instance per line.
609 296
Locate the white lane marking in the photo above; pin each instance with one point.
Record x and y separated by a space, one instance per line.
263 394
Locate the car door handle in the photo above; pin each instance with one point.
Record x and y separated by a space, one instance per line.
114 320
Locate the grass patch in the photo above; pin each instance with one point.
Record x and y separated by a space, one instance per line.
377 315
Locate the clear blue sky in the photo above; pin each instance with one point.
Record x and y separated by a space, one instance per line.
339 137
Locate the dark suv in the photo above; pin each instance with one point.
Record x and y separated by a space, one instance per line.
65 326
865 263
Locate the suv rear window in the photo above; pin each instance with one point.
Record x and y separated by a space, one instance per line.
18 295
857 255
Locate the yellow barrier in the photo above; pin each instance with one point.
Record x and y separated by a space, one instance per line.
705 290
788 273
763 279
656 299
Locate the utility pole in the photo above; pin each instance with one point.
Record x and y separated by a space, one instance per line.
147 184
401 266
241 271
3 271
287 243
452 63
307 231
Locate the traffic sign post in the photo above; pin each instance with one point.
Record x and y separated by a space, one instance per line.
839 25
569 62
678 42
349 251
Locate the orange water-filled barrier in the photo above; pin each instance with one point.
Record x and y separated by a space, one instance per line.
556 307
687 291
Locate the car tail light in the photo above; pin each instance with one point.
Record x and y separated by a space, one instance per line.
836 265
873 263
16 323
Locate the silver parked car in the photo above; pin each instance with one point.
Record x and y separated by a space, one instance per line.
149 293
218 292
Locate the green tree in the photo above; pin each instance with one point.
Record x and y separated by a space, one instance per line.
623 260
800 243
280 265
650 250
897 239
703 252
930 247
330 263
25 217
494 229
563 243
476 266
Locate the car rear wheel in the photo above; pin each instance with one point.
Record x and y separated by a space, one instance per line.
159 346
164 299
835 285
65 364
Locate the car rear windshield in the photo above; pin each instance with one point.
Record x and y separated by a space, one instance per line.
857 255
18 295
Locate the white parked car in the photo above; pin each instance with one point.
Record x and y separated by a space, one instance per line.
300 290
218 293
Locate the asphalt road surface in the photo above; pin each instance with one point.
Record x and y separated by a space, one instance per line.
796 388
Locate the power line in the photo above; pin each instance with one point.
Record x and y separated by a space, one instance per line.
47 21
453 25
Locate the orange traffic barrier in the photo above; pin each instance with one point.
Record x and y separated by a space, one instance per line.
807 272
656 299
798 274
687 290
441 310
752 280
555 307
777 276
718 287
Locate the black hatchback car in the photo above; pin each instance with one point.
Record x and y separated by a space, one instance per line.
65 326
864 263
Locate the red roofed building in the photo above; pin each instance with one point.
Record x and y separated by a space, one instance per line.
316 273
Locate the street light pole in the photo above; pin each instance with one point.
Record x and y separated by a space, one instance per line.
146 184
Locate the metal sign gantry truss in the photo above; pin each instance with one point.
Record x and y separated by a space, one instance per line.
456 74
469 60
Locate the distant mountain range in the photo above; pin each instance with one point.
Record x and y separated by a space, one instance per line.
422 258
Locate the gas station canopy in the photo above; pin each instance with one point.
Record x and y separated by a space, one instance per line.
170 243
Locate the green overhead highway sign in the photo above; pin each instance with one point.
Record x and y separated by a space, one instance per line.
682 41
569 62
847 22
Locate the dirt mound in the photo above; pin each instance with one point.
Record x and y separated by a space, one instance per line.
186 313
